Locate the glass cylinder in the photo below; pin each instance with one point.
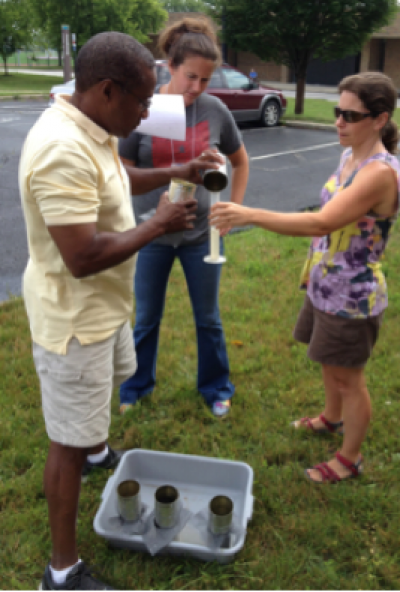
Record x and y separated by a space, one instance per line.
214 255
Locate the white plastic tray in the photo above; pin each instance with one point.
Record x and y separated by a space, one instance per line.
198 479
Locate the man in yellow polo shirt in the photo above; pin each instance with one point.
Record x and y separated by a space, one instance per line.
78 282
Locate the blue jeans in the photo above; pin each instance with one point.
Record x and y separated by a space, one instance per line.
154 265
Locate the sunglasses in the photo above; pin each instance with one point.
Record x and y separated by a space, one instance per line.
351 116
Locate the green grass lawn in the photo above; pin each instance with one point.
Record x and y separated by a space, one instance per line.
302 536
319 111
19 84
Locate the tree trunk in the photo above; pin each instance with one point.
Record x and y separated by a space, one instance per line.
4 57
300 89
59 58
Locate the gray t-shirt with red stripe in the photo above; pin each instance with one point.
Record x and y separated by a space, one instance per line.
209 124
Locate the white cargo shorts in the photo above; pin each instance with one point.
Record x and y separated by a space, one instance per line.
76 388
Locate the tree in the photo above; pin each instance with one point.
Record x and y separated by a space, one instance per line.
185 5
14 29
294 31
86 18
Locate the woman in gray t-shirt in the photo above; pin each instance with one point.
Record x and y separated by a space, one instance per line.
193 54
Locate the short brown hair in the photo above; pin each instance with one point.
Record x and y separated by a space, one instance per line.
379 95
113 55
190 37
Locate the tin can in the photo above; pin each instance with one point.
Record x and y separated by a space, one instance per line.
129 505
215 180
180 190
166 507
220 514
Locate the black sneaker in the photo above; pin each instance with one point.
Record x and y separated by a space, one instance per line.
79 578
110 462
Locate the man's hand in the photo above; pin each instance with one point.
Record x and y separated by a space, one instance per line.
87 251
175 216
209 159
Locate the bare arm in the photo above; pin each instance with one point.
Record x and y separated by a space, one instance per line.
373 188
86 251
144 180
240 174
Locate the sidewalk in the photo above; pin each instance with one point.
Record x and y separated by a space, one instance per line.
288 88
312 88
32 71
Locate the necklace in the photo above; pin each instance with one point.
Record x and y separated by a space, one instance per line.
193 135
193 129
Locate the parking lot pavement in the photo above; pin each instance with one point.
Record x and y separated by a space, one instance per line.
288 167
287 170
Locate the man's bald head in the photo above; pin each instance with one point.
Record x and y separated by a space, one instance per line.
112 55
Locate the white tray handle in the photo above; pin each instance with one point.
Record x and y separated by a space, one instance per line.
108 486
248 510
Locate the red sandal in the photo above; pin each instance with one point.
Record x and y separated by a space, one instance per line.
330 476
330 427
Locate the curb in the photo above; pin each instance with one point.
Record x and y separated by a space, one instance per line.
21 97
312 88
310 125
287 123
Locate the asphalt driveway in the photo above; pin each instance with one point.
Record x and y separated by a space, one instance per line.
287 169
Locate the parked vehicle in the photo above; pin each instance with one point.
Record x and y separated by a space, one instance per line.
247 100
66 89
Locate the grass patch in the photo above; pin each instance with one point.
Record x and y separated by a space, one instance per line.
319 111
301 536
30 59
16 83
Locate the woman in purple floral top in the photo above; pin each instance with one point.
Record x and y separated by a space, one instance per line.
346 287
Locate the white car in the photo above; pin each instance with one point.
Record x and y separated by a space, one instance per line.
67 88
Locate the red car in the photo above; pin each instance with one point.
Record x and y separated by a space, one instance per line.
247 100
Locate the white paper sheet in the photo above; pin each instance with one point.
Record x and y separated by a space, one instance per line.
167 118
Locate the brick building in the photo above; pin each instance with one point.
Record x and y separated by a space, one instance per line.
381 52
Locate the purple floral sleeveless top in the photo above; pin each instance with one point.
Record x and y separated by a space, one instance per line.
343 274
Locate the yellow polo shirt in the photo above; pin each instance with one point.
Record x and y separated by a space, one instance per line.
70 173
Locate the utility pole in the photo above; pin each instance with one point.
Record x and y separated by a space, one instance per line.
73 41
224 44
66 45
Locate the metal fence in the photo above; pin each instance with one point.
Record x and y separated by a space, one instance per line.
38 58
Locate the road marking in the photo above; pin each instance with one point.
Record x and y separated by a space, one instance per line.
25 111
318 147
30 112
8 119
